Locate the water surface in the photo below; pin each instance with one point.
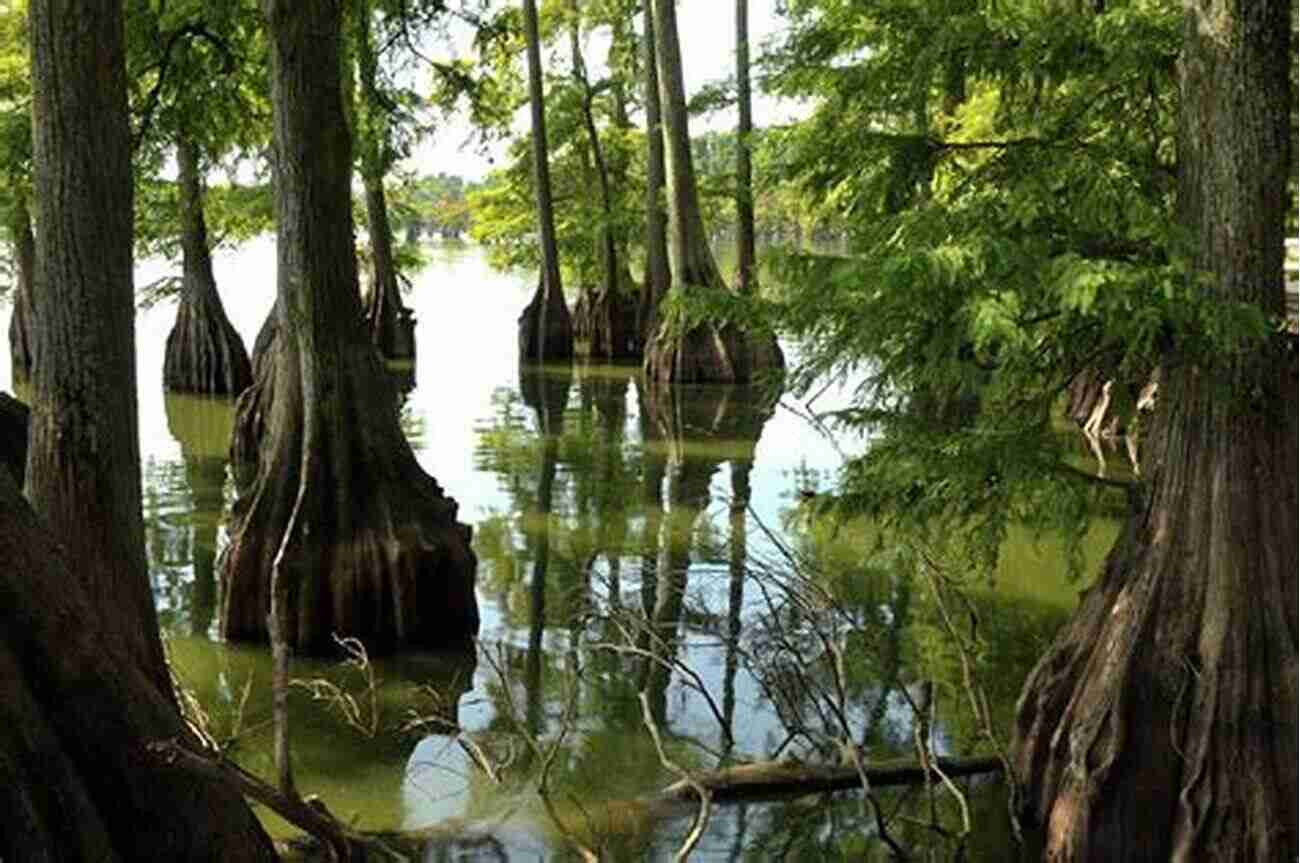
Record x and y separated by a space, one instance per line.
629 542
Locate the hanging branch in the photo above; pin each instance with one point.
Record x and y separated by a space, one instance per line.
192 30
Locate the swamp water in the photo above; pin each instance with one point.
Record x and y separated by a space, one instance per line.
627 543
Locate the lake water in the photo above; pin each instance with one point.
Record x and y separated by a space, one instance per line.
612 561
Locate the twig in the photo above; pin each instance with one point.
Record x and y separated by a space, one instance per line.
705 797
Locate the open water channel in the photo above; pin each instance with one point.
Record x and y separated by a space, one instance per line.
625 545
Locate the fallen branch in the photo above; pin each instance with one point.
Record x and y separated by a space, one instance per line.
307 814
769 779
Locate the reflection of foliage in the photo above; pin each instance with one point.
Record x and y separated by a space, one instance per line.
832 623
874 571
588 469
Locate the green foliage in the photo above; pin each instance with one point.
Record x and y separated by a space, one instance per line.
198 69
1005 177
235 213
431 204
504 208
15 126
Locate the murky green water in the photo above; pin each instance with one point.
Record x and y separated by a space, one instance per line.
629 543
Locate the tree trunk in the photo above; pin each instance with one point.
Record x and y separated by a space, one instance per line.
83 460
612 332
204 352
391 324
77 779
1162 724
545 326
746 256
657 278
20 324
85 686
704 353
335 517
15 419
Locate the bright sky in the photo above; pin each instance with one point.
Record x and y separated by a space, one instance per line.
707 32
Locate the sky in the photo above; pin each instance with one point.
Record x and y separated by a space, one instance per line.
706 29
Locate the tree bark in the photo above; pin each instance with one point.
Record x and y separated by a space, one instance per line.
704 353
85 686
77 779
335 518
657 275
83 460
746 255
20 324
15 418
545 326
204 351
1162 724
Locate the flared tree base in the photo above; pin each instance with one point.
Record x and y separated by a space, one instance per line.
393 332
611 328
1162 725
545 328
205 354
367 543
708 354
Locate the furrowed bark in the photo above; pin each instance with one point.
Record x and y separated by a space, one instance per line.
83 459
334 513
77 718
1162 724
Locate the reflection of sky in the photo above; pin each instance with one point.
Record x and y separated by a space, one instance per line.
466 316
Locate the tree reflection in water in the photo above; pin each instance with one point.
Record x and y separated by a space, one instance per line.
804 639
201 425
